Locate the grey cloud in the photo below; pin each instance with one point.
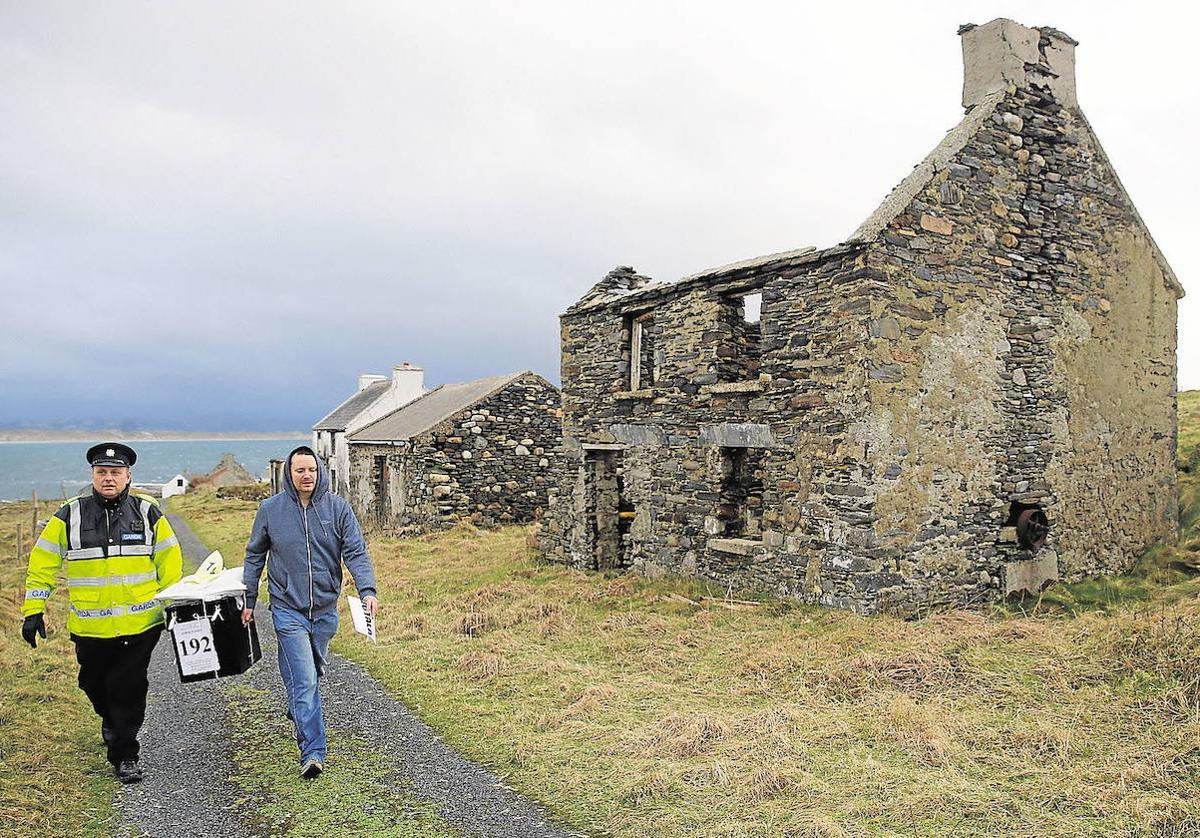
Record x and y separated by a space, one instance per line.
283 195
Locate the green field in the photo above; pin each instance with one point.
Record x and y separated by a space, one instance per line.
629 711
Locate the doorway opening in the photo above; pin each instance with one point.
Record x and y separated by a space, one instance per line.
609 513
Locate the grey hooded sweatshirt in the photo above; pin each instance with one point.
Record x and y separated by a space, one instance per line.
307 546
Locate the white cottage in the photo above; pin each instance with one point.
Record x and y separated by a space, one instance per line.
177 485
376 397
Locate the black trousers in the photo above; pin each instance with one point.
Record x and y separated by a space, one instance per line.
112 672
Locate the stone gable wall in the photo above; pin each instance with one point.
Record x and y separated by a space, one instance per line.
491 464
1031 335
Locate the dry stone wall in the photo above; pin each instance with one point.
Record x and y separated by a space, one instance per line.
492 463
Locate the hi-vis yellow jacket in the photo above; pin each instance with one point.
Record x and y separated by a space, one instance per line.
119 555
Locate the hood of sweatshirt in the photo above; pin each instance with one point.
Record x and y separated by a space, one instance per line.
307 547
322 476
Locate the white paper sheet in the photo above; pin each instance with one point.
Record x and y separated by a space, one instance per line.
364 623
226 583
194 643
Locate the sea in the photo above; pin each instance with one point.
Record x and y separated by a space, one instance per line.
59 470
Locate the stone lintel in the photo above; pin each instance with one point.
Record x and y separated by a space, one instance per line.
638 434
737 435
737 546
627 395
1031 575
733 387
601 446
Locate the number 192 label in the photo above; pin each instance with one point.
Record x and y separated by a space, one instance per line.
195 648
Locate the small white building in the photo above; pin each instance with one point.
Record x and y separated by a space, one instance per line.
376 397
177 485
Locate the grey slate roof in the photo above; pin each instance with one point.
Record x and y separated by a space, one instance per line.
342 415
429 410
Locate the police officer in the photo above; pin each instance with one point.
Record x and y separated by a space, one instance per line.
120 552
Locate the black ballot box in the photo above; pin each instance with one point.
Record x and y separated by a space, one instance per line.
209 638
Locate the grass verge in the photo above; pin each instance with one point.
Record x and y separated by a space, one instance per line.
358 794
54 779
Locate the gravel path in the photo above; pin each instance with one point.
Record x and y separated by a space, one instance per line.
186 790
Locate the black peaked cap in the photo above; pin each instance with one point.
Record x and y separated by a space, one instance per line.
111 454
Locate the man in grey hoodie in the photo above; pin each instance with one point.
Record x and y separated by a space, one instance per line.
308 532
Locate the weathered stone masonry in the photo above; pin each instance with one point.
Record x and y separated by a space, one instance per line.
490 462
998 336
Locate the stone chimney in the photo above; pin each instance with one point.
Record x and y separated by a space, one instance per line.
1004 53
408 381
366 380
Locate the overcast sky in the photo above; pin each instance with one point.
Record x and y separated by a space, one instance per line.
214 215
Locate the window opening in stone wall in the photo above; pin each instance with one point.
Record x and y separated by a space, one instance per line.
741 504
641 351
739 322
608 511
1031 524
752 307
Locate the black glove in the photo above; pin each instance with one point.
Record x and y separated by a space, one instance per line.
35 624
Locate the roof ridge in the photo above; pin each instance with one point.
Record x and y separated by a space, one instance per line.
501 381
320 424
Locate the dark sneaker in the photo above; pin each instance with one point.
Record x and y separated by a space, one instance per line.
311 768
128 771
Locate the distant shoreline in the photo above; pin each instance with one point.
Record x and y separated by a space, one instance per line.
26 438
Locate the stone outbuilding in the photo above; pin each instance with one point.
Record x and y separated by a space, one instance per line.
376 396
485 451
227 472
973 394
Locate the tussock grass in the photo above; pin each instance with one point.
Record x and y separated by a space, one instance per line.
480 665
684 734
638 709
632 713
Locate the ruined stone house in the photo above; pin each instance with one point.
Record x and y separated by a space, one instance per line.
973 394
485 451
227 472
376 396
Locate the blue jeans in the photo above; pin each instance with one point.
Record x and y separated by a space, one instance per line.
303 654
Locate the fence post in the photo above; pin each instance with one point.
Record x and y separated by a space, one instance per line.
33 523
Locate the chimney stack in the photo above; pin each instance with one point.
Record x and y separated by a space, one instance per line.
408 381
1004 53
366 380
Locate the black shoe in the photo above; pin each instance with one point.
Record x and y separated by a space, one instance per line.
311 768
128 771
